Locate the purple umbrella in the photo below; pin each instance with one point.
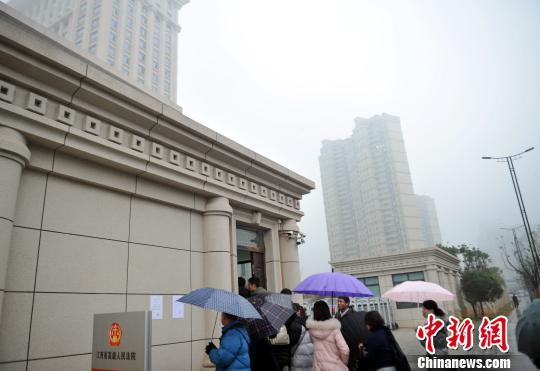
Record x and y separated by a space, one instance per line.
333 284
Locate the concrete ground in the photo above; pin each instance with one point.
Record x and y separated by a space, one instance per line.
412 348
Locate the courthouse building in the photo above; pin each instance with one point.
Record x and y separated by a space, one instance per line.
109 195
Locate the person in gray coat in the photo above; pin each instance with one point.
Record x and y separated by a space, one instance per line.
302 352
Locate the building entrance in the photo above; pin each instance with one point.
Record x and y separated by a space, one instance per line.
250 250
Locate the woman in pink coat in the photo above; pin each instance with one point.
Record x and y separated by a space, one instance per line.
331 352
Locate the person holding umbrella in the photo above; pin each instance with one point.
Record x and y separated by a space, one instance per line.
439 341
353 329
233 352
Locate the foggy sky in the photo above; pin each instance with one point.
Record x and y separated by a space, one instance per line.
279 76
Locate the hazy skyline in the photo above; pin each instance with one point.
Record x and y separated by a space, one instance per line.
281 76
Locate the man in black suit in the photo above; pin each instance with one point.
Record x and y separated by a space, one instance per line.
353 329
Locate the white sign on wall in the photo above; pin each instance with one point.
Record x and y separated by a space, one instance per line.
156 306
177 307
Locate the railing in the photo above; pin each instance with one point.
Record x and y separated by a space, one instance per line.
381 305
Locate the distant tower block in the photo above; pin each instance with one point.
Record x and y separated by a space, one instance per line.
368 194
137 38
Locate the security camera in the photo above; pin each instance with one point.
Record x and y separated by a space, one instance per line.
290 234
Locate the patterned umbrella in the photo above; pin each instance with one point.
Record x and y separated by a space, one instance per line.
221 301
275 310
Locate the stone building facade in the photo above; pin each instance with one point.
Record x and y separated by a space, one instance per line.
382 273
108 196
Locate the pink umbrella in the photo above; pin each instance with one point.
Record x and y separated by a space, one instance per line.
417 292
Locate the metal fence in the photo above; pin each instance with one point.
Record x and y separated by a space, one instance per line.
381 305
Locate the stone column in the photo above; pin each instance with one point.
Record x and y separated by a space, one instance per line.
217 246
14 156
290 263
431 274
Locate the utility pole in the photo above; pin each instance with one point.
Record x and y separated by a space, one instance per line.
530 238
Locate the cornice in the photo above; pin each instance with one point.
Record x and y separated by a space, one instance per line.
110 120
432 256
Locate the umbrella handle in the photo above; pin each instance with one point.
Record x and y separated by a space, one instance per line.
214 328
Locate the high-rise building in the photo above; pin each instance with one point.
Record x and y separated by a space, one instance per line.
138 38
368 194
430 222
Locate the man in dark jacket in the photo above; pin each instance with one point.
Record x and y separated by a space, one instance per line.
353 329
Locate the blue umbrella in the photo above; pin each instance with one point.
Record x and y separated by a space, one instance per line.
221 301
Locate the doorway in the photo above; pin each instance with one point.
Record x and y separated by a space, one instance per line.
250 250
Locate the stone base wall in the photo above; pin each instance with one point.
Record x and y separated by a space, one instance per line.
79 249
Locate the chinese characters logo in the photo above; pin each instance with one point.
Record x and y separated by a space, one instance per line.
115 335
490 333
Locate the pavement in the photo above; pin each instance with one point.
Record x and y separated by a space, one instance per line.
413 349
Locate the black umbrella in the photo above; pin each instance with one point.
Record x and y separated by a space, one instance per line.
527 330
275 310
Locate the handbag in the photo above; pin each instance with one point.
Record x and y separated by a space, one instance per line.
282 337
400 359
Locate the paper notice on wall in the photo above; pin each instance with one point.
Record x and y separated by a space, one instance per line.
177 307
156 306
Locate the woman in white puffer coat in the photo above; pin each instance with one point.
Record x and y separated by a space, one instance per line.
302 355
302 352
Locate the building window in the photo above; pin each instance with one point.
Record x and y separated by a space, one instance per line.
97 8
141 57
95 23
111 51
93 37
92 49
79 34
402 277
372 283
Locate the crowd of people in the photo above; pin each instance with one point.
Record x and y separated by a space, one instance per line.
350 340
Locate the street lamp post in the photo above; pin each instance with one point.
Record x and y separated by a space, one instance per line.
510 162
